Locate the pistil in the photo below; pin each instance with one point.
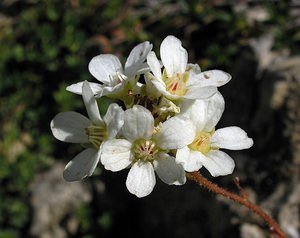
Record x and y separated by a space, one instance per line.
145 150
201 142
176 84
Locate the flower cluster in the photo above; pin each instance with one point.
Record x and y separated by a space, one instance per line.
164 121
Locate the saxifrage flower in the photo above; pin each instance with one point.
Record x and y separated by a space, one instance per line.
180 80
114 79
205 148
145 149
74 127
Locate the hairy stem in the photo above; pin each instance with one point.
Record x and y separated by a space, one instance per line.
274 226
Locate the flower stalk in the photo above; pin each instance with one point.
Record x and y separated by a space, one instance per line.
202 181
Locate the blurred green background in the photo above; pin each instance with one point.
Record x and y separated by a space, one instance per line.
47 45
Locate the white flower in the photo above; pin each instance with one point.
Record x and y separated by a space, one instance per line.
180 79
204 150
75 128
146 151
108 69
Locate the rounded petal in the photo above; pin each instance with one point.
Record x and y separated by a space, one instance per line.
205 114
77 88
168 170
154 65
173 56
136 58
200 92
232 138
218 163
215 78
114 120
82 165
152 90
215 106
104 66
175 133
116 154
69 127
90 104
189 159
138 123
141 179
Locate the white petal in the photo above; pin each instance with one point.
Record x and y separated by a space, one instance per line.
205 114
138 123
173 55
136 58
154 65
69 127
114 119
232 138
199 92
90 104
215 106
82 165
77 88
116 154
168 170
143 69
215 78
141 179
218 163
152 90
175 133
111 90
189 159
104 66
193 69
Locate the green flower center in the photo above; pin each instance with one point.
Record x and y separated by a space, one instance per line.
96 134
201 142
145 150
176 85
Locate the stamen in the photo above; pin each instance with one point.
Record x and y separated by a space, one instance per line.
96 134
177 84
121 77
201 142
145 150
117 78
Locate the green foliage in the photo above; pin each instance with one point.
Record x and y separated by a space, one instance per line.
9 233
105 221
84 215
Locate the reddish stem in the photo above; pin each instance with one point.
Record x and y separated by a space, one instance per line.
274 226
